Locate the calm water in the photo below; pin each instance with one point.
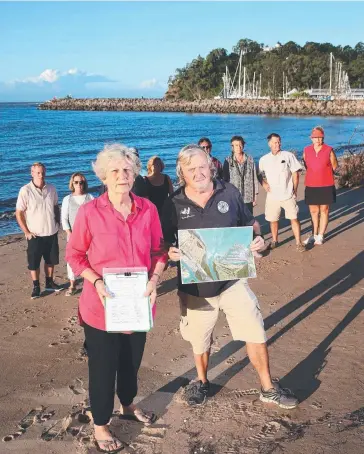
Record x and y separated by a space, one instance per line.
68 141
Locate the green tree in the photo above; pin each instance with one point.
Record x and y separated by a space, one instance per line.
303 66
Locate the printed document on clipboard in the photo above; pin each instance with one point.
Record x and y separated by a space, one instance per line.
129 309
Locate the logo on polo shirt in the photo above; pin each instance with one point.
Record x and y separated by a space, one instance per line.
185 213
223 207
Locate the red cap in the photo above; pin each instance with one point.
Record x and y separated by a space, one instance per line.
317 132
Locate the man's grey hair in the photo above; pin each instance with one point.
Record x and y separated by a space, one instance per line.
115 152
184 158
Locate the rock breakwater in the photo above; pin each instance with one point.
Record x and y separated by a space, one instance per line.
216 106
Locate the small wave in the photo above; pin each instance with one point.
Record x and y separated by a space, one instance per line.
7 215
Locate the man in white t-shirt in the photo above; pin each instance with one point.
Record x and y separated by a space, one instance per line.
278 173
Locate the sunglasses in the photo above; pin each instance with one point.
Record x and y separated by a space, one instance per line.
79 182
206 147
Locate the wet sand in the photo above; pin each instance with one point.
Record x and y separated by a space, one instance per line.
313 309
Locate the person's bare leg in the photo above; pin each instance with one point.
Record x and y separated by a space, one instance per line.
258 355
274 230
48 270
315 212
296 228
72 285
35 274
202 363
324 219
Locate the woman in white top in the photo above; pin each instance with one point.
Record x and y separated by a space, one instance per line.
70 205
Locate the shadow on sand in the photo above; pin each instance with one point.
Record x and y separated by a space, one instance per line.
303 379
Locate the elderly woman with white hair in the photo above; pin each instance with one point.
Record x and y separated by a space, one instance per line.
118 229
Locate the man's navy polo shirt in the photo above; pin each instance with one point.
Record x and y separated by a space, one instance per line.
225 208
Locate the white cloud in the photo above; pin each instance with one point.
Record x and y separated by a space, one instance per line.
149 83
78 83
52 76
48 75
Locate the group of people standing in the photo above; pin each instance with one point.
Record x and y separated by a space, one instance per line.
278 173
122 229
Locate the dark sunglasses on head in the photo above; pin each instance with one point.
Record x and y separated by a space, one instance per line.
78 182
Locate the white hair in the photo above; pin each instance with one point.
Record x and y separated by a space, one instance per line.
184 158
115 152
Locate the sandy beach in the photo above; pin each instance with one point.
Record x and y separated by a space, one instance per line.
313 309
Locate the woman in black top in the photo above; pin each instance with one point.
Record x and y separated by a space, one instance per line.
158 185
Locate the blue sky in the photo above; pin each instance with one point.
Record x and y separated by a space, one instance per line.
126 49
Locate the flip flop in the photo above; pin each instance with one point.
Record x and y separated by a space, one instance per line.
138 415
71 292
108 443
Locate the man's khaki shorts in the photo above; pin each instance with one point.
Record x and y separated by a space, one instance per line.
199 316
273 209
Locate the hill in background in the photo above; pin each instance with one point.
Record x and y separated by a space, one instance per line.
302 68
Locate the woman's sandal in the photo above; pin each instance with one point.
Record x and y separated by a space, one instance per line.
107 445
139 415
71 292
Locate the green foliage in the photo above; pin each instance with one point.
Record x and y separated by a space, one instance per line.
303 67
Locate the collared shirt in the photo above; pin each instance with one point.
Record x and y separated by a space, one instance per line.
38 207
102 238
225 208
277 170
243 176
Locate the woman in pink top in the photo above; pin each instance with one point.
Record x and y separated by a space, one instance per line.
320 162
118 229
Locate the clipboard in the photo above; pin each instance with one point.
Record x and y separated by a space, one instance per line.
128 309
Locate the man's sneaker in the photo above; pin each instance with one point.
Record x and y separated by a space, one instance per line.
309 240
319 240
51 286
197 393
282 397
35 292
300 247
273 244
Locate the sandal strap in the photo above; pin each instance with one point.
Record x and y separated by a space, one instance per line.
113 441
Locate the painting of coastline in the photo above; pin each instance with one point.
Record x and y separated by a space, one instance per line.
220 254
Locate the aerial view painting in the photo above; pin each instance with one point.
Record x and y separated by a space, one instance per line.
219 254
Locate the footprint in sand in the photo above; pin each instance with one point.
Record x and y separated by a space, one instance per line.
77 388
73 320
58 429
149 439
69 330
316 405
35 416
82 354
231 360
177 358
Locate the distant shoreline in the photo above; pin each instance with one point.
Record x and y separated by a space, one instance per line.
307 107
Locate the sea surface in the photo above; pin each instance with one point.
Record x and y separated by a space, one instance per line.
67 141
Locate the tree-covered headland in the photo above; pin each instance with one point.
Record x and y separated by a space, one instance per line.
290 65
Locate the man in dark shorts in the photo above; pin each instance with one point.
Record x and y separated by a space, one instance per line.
38 216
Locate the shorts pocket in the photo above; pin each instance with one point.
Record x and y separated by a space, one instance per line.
183 327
